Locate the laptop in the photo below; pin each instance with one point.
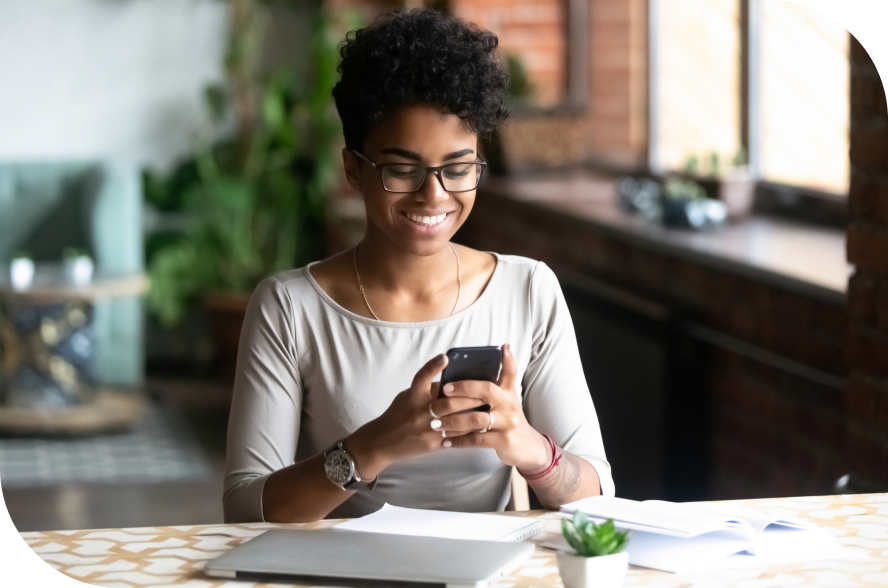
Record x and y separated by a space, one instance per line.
330 557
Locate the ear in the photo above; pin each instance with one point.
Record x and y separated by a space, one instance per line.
350 164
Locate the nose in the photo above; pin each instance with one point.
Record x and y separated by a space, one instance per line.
432 189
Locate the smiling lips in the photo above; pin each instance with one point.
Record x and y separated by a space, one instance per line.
428 221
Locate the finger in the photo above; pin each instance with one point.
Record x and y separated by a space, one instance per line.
473 440
470 389
461 423
422 381
445 406
509 373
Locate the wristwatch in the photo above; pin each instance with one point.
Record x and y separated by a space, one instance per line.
340 469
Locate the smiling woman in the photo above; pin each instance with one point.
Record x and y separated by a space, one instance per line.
336 407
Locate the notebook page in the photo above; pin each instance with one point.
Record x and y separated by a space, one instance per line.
449 525
757 519
666 517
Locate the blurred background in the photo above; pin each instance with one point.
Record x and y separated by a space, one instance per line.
708 178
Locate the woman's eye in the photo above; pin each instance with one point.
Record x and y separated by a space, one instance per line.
455 174
403 172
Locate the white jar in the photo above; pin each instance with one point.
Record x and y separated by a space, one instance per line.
605 571
79 269
21 272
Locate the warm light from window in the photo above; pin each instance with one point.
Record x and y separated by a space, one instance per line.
697 56
804 98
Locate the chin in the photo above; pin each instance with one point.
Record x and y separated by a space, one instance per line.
424 248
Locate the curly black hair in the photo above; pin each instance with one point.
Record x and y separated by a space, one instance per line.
419 57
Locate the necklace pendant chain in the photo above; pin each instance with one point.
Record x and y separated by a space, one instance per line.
458 282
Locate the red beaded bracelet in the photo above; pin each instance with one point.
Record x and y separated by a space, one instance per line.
545 472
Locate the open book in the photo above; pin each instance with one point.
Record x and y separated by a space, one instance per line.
672 537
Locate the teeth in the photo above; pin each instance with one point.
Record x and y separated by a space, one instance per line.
426 220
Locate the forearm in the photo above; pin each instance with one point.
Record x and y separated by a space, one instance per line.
302 493
571 479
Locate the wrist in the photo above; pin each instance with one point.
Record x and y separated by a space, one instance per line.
540 456
369 460
539 476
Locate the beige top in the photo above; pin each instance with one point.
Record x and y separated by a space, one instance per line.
310 372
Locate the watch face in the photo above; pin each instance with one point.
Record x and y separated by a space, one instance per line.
338 467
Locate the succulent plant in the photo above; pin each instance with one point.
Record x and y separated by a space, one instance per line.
592 540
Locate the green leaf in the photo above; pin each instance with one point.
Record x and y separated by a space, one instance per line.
274 113
591 540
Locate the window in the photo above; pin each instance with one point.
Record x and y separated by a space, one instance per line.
763 79
697 62
803 130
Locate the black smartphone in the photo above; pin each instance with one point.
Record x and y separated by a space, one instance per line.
473 363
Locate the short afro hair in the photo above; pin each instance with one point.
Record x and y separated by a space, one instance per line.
419 57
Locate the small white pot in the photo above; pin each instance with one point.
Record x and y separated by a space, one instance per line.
21 272
606 571
79 269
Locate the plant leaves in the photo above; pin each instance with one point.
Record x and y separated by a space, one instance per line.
590 539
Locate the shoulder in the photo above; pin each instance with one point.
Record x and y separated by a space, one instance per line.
280 290
527 272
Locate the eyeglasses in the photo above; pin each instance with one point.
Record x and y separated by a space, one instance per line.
409 177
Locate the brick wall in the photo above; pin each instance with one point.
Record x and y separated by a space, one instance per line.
867 339
616 121
533 30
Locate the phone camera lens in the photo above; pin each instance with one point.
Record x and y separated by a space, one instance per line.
455 356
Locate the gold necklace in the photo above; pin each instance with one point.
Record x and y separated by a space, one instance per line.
458 282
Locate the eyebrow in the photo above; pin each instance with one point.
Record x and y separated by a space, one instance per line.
416 157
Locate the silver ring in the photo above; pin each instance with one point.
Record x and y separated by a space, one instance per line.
489 425
432 412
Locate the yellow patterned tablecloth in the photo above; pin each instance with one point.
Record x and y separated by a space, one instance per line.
175 556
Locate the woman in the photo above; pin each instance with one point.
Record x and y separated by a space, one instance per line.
336 409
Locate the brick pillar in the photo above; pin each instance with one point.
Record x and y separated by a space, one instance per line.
867 342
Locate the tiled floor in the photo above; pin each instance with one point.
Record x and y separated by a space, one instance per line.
204 408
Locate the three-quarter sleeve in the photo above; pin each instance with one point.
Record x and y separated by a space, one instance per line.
557 401
264 422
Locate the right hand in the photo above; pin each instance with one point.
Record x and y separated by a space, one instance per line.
404 429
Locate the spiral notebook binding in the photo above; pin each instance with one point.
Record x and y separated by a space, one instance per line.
531 530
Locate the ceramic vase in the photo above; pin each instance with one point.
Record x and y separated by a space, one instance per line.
606 571
737 192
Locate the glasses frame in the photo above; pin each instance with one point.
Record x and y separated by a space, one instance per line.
426 169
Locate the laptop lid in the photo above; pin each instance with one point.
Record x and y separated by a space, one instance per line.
349 558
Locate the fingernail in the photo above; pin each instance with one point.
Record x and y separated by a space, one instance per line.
448 388
447 443
508 349
436 424
440 358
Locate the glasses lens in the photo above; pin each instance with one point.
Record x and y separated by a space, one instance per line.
402 178
461 177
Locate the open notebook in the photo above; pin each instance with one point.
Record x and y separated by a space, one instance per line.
672 537
450 525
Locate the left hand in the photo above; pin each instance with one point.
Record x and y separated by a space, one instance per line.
511 436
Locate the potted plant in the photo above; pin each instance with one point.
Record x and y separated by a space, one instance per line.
252 203
599 560
733 185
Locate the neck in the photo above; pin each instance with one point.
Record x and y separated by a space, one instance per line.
384 264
